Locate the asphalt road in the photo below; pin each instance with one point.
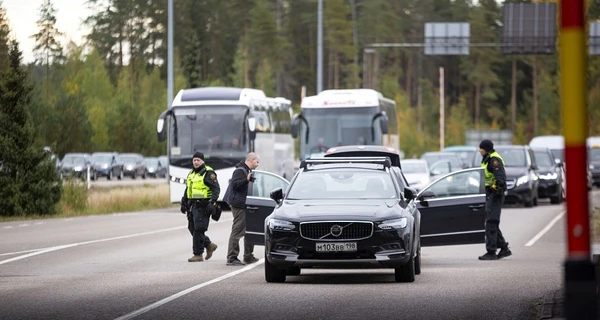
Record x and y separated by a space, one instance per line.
135 266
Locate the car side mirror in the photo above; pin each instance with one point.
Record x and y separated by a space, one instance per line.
410 193
277 195
558 162
426 195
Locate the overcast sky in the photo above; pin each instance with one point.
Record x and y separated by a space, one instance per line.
23 15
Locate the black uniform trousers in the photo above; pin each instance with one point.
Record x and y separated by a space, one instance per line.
493 236
198 219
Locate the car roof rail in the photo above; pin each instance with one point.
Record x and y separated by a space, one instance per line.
385 161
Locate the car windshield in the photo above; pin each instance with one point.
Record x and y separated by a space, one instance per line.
433 158
414 167
152 162
129 160
543 159
102 159
73 160
342 184
594 155
559 154
216 130
511 157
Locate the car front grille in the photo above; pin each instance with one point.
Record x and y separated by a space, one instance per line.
350 230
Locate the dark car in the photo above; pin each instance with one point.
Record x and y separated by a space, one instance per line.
154 168
451 162
134 165
522 180
594 164
106 164
350 213
76 165
464 153
551 174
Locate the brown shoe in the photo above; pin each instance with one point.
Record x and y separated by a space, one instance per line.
196 258
210 249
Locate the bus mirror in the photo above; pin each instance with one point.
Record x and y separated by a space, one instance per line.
160 126
384 124
252 127
294 128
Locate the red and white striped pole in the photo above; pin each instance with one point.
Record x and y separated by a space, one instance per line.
580 282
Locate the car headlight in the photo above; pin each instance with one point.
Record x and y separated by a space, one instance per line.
281 225
78 168
104 166
549 176
522 180
393 224
150 169
177 180
592 167
129 167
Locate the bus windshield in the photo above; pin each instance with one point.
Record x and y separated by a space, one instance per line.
213 130
330 127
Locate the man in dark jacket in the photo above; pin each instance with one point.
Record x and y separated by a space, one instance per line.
235 196
199 201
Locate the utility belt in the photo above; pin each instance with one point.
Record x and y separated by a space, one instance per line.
198 202
489 189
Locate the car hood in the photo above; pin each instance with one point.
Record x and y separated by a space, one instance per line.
374 210
515 172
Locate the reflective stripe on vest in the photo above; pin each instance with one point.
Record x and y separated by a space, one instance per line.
196 188
490 179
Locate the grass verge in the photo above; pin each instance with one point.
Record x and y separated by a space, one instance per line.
77 200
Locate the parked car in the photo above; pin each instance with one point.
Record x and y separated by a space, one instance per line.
76 165
522 179
556 144
416 172
107 164
134 165
594 163
552 176
464 153
451 162
154 168
318 221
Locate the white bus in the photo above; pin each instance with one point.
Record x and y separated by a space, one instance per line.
345 117
225 124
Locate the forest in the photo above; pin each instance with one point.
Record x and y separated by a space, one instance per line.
106 93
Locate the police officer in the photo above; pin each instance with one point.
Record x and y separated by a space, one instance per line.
199 201
495 185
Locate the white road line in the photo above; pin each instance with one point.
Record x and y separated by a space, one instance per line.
186 291
24 225
50 249
8 227
546 229
19 252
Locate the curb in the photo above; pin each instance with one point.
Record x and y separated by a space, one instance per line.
552 305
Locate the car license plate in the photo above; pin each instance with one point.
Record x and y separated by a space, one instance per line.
336 246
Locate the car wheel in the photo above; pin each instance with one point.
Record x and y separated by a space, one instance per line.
144 175
406 273
529 204
110 175
559 198
134 176
272 273
418 261
95 175
121 175
294 271
535 201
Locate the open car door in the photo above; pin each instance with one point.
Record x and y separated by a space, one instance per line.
259 204
453 209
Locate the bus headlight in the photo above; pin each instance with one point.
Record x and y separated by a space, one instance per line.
177 180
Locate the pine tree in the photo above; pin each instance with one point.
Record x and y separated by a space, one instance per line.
47 47
29 183
4 33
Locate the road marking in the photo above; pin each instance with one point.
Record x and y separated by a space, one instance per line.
51 249
186 291
8 227
24 225
546 229
19 252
